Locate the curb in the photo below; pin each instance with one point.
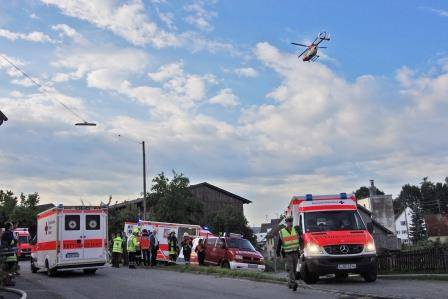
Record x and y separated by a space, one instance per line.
16 291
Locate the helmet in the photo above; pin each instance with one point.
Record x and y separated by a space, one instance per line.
186 234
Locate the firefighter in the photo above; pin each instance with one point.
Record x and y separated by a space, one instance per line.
144 246
9 249
117 250
288 246
132 247
186 247
173 247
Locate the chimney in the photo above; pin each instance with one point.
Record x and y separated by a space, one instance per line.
372 188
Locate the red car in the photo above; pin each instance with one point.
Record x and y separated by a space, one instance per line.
233 252
23 242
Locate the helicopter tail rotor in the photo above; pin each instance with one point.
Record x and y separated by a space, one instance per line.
324 35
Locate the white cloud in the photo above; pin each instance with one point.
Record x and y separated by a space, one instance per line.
200 17
225 98
440 12
67 31
34 16
128 20
34 36
247 72
167 71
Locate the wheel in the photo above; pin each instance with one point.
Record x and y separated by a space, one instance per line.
90 271
307 276
341 276
34 269
225 264
370 276
50 272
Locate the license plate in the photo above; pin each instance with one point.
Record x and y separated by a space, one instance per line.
71 255
346 266
252 266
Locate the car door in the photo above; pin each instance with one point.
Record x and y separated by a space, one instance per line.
210 256
72 235
94 226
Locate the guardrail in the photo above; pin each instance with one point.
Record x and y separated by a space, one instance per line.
430 260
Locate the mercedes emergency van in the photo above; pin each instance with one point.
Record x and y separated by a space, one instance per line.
334 238
70 238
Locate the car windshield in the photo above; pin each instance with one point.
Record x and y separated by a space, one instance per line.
333 221
241 244
23 239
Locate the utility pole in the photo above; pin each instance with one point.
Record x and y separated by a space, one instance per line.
144 181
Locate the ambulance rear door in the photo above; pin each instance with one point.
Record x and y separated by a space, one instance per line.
95 240
71 236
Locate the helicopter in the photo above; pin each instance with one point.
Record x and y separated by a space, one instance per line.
310 53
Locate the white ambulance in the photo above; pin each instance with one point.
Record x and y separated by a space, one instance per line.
162 231
70 238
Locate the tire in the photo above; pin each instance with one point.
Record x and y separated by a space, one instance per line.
225 264
370 276
34 269
341 276
307 276
50 272
90 271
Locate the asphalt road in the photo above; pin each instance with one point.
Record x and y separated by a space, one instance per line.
153 283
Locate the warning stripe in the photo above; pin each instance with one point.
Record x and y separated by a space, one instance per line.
328 207
93 243
43 246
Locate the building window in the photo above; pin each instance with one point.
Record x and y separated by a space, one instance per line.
403 222
404 232
398 232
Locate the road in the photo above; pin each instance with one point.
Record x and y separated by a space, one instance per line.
153 283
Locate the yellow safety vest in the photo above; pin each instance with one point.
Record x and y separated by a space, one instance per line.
290 241
118 245
172 248
132 243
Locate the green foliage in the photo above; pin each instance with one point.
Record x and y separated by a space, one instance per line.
232 221
118 217
23 213
417 230
172 201
363 192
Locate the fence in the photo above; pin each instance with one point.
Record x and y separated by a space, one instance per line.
430 260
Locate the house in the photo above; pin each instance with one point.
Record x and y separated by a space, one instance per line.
213 199
403 225
437 227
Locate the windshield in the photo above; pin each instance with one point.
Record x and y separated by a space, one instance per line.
23 239
332 221
241 244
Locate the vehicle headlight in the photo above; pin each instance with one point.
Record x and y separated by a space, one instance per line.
312 249
238 257
370 247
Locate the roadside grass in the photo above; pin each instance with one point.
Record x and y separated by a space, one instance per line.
222 272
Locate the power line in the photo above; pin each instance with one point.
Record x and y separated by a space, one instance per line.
42 88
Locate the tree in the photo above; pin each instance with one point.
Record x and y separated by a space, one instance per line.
417 230
429 203
363 192
8 203
118 217
410 196
172 201
24 214
230 220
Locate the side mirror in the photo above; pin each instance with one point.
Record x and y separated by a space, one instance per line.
370 227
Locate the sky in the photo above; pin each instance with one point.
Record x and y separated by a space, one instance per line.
217 92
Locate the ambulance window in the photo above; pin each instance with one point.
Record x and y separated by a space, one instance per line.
92 222
219 243
72 222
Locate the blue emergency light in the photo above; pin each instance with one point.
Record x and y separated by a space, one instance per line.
344 195
309 197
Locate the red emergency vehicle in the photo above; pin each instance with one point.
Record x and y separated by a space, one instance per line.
334 238
70 238
23 242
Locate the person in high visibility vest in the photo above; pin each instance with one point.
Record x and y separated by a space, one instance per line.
173 247
117 250
9 252
288 245
144 246
132 247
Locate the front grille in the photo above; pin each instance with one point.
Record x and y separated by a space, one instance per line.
344 249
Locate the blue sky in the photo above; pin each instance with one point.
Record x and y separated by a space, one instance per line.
215 89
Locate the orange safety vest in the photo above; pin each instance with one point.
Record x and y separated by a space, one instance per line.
144 243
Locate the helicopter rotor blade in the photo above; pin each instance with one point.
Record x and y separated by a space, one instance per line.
302 53
299 44
322 47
